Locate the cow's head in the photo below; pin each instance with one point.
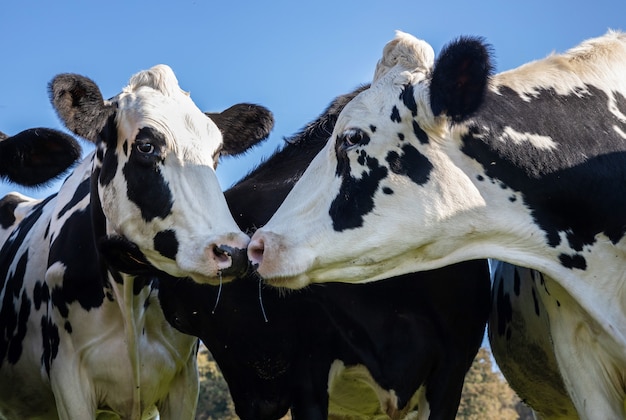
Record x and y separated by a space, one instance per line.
372 202
36 156
153 179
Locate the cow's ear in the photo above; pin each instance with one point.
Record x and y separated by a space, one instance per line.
242 126
460 77
37 155
79 103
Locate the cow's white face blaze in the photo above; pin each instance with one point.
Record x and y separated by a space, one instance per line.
387 152
154 172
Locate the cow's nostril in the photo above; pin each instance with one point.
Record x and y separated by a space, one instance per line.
256 248
222 254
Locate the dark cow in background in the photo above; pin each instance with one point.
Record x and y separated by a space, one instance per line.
36 156
521 341
441 162
416 332
77 337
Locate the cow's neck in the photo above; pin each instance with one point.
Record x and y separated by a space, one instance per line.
514 225
132 306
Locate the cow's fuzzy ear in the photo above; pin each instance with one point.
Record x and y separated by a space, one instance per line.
36 156
460 77
79 103
242 126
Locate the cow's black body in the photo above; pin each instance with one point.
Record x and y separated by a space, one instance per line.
416 330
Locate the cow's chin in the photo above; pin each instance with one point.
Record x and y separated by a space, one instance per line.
211 280
288 282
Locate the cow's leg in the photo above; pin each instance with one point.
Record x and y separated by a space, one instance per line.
593 373
443 392
73 397
182 399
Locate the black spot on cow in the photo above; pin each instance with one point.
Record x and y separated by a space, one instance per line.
512 199
166 244
573 261
50 340
78 265
362 159
110 159
372 128
8 204
68 327
41 294
553 184
387 190
79 194
401 136
146 186
480 178
535 302
395 115
411 163
356 196
419 133
408 98
516 283
15 343
503 308
15 304
46 233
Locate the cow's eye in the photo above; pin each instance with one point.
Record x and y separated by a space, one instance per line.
145 148
353 137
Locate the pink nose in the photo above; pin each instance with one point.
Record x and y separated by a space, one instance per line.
256 247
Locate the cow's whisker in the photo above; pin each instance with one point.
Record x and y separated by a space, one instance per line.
261 298
219 293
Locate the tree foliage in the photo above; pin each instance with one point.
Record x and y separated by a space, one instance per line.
486 394
214 401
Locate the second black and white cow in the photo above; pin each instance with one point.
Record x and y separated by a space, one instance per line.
407 341
441 161
36 156
521 340
77 337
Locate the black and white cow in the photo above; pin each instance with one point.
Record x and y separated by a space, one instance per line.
421 336
77 337
439 162
36 156
521 341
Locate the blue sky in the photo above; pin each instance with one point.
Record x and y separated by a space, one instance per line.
292 57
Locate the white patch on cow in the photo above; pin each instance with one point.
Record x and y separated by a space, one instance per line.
405 53
537 140
588 63
619 131
353 393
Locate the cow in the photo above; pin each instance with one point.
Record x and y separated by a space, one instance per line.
36 156
443 161
521 341
78 338
298 350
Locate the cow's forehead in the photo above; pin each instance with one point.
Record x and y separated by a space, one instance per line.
398 89
154 99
